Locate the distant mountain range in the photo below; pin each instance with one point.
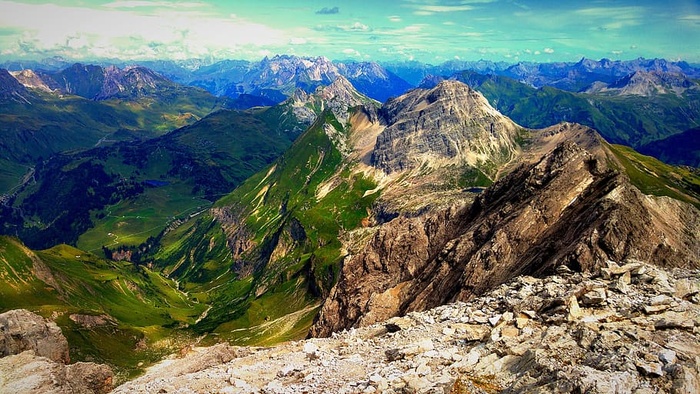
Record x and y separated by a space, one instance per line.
571 76
282 72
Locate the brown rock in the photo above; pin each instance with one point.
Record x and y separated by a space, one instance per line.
521 225
472 332
594 297
89 377
674 320
22 330
29 373
651 309
509 332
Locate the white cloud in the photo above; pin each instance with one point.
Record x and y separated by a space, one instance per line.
425 10
137 4
538 53
413 28
690 17
612 12
395 18
548 50
297 41
354 27
351 52
110 32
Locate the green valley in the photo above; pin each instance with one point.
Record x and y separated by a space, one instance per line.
112 312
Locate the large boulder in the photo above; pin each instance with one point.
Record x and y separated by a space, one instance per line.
34 359
22 330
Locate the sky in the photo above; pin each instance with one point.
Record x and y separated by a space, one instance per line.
430 31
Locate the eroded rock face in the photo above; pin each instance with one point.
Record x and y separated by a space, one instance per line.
22 330
29 373
34 356
449 124
568 208
568 332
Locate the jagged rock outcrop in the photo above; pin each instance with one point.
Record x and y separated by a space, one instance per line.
450 124
633 327
99 83
34 359
11 89
568 208
22 330
31 79
339 97
130 82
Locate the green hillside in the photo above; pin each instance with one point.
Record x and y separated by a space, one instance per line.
655 178
127 192
291 233
51 123
142 308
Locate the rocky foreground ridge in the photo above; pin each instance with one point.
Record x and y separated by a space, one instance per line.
34 359
629 328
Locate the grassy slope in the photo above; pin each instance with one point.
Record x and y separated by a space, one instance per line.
146 306
196 164
653 177
53 123
278 301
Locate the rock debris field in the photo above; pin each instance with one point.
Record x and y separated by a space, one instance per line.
630 328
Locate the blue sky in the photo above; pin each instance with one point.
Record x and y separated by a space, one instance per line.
431 31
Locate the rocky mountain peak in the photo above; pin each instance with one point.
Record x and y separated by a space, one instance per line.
646 83
30 79
283 70
450 124
11 89
132 82
340 96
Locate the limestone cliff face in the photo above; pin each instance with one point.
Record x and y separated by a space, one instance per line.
567 208
450 124
22 330
34 359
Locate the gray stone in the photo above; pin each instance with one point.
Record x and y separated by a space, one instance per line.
685 381
22 330
667 356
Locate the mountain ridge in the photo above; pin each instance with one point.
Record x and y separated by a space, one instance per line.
454 254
